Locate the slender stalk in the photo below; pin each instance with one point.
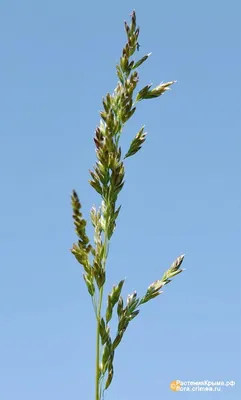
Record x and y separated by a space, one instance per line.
98 318
97 370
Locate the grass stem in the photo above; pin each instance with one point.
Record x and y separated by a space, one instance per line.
98 319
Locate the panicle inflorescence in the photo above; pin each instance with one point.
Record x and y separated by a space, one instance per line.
107 178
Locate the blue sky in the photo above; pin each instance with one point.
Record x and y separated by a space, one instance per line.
182 195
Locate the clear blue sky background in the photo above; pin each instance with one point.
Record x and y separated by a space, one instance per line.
182 195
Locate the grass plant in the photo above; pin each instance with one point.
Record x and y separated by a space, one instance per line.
107 179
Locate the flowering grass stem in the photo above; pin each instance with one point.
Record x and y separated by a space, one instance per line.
107 178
